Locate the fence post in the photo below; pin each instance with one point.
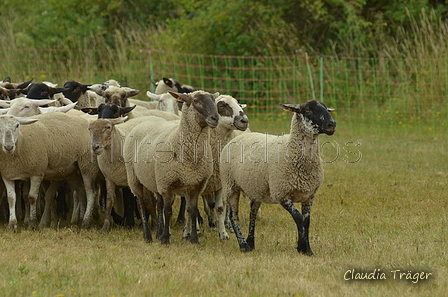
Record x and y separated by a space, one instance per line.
308 67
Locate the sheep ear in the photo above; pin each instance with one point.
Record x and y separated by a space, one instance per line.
292 107
118 120
67 107
4 111
90 110
216 95
24 84
153 96
125 110
25 121
4 103
40 102
7 79
243 106
180 97
131 92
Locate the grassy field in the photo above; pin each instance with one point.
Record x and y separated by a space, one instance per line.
383 205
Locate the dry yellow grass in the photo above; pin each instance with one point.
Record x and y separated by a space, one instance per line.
388 211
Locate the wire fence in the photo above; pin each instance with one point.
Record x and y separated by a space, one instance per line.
379 95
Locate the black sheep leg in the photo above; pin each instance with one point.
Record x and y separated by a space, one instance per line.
254 206
302 223
234 220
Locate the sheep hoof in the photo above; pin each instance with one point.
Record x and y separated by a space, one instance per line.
105 229
32 225
165 240
85 225
13 226
194 240
244 247
224 236
305 252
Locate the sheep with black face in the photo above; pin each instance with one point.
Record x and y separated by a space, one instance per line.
277 169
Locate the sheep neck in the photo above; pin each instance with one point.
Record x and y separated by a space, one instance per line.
113 152
302 136
193 140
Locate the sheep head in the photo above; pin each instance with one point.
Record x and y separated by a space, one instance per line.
101 132
74 90
41 90
9 131
316 113
204 105
231 113
25 107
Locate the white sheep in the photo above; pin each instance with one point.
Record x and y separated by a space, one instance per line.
24 107
107 139
277 169
173 158
231 118
46 150
164 102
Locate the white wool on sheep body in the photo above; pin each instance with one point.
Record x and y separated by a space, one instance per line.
219 137
268 168
170 157
53 148
140 111
143 103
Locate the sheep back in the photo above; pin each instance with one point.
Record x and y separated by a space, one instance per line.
268 168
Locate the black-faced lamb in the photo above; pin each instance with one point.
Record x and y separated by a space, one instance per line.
173 158
277 169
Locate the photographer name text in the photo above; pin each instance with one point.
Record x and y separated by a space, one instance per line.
395 274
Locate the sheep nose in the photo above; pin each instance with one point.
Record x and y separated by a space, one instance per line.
8 148
332 125
95 148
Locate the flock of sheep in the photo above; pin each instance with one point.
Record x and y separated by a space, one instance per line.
80 141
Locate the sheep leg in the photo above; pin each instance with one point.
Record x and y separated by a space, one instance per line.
181 216
306 213
150 203
234 220
254 207
303 245
11 194
160 215
221 211
209 207
90 196
167 212
141 210
35 182
129 207
50 205
193 214
110 193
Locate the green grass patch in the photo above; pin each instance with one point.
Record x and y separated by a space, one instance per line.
382 206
